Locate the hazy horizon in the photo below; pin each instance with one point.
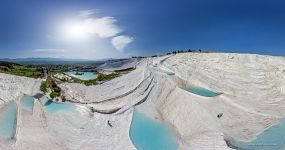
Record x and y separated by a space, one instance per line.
106 58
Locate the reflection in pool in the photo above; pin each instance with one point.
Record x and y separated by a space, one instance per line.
201 91
270 139
148 134
8 121
82 75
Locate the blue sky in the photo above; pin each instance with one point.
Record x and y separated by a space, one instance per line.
103 29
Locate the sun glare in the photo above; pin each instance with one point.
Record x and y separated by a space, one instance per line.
74 31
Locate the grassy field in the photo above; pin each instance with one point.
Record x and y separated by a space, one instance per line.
20 70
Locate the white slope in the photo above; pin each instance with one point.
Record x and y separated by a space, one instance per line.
12 87
253 99
120 64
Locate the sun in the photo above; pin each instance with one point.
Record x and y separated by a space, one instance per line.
74 30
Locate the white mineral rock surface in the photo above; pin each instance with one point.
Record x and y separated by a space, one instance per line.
253 88
113 65
13 87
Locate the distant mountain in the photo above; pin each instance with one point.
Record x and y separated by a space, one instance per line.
8 64
39 61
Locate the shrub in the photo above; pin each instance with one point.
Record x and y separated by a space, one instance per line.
54 94
43 87
104 77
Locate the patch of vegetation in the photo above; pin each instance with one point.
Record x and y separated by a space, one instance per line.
90 82
20 70
8 64
54 94
105 77
43 87
55 90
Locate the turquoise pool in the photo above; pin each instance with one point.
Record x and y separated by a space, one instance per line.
8 121
201 91
271 139
148 134
27 102
84 76
53 107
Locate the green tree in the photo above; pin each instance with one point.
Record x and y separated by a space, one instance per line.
43 87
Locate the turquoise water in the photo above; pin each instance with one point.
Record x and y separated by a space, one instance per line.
8 121
148 134
84 76
44 99
201 91
53 107
271 139
27 102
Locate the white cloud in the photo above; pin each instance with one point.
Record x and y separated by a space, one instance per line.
49 50
120 42
103 27
88 35
86 13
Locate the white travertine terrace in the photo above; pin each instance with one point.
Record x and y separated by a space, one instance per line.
12 87
253 99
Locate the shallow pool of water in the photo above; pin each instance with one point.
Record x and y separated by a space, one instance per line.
53 107
148 134
8 121
84 76
271 139
27 102
201 91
